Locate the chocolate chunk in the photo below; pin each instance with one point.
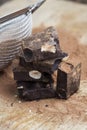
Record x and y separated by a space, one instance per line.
42 46
48 66
35 90
68 79
24 74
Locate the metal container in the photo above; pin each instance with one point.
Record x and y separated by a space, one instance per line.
17 28
13 28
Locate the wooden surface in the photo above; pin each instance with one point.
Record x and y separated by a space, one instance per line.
47 114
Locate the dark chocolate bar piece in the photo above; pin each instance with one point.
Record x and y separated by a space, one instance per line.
42 46
48 66
68 80
35 90
24 74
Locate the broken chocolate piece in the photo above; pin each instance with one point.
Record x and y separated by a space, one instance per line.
48 66
68 80
35 90
42 46
24 74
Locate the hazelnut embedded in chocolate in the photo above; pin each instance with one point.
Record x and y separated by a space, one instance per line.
48 48
35 74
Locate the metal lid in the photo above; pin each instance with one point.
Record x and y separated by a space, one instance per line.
11 6
14 8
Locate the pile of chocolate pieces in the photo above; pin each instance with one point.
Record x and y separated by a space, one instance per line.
42 71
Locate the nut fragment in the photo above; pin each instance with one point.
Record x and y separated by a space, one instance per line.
35 74
48 48
20 87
